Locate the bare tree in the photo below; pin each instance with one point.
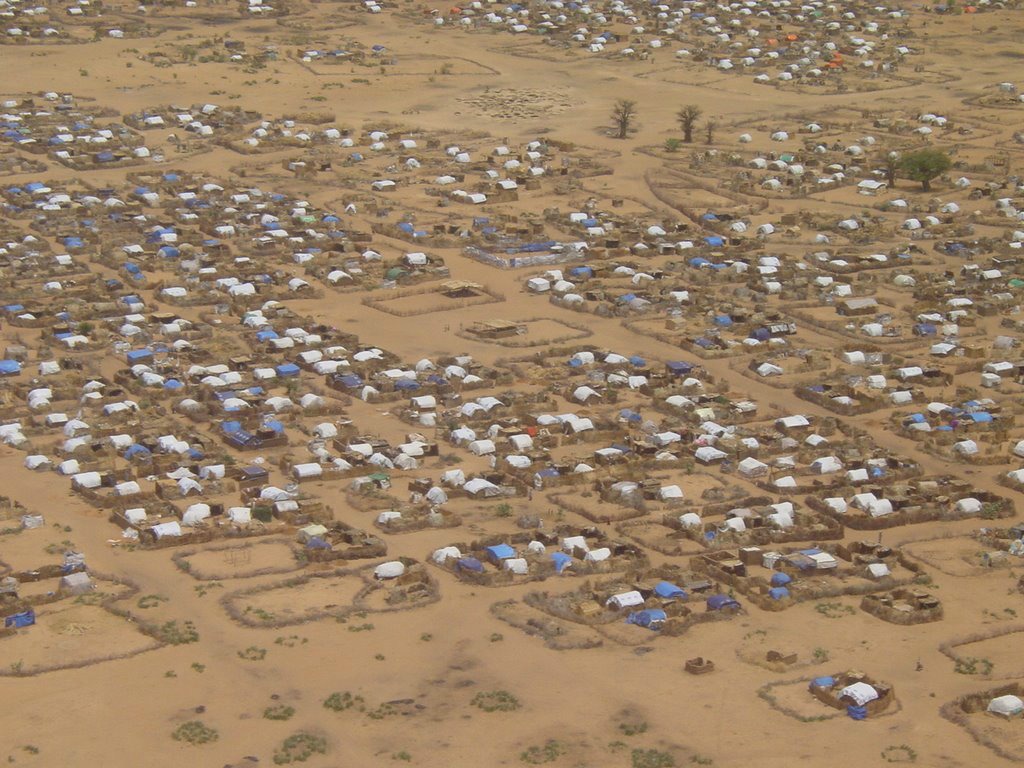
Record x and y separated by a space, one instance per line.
709 130
688 117
623 115
892 164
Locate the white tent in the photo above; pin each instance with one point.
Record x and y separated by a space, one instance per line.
860 692
625 600
1006 706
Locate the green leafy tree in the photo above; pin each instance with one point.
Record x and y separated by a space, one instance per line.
925 165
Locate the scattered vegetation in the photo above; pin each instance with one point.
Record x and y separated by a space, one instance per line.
252 653
195 732
279 712
169 632
970 665
550 751
652 758
299 747
339 702
899 753
495 701
834 610
634 728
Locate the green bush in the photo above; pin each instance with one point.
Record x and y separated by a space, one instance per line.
548 753
299 747
652 758
495 701
279 712
194 732
339 702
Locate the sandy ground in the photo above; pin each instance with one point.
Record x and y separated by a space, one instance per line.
439 656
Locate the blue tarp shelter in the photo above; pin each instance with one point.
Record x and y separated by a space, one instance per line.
668 589
651 619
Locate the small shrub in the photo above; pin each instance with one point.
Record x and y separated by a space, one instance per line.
497 637
834 610
403 756
200 668
252 653
548 753
339 702
495 701
279 712
652 758
151 601
384 710
633 729
899 753
299 747
170 633
194 732
972 666
361 628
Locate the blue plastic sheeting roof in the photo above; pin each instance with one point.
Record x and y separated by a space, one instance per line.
287 369
778 593
781 579
668 589
501 551
718 602
9 367
22 619
651 619
230 426
561 561
469 564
